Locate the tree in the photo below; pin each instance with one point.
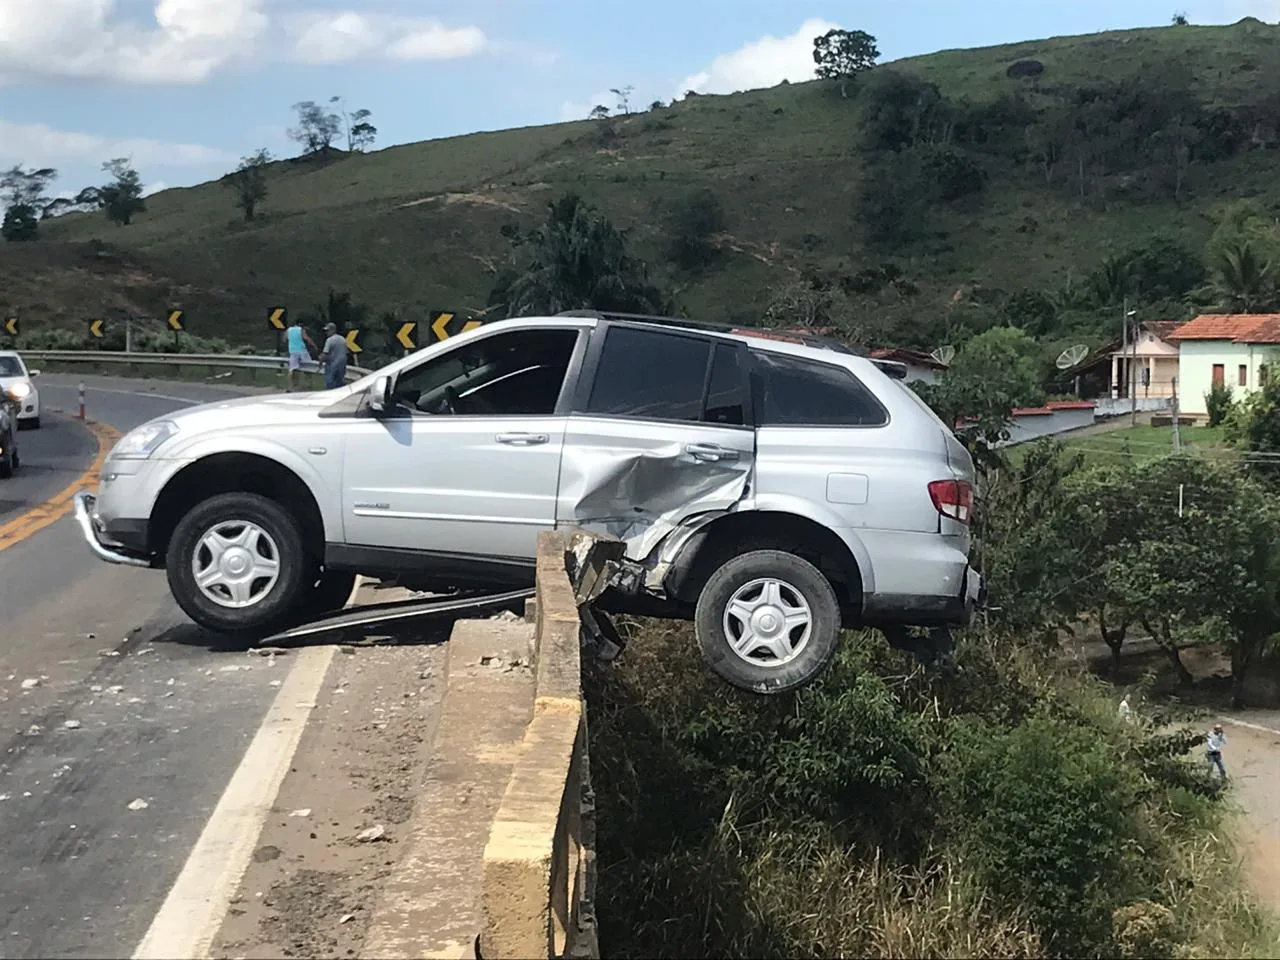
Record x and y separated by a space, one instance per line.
575 260
657 105
901 111
121 199
1243 276
624 98
317 127
20 223
691 223
598 112
361 134
249 182
26 201
992 374
1180 19
843 54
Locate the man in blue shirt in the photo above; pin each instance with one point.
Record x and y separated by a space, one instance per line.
297 339
1213 750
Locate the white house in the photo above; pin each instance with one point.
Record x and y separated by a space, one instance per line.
1147 367
920 366
1236 350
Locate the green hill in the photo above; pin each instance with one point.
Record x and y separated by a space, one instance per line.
804 190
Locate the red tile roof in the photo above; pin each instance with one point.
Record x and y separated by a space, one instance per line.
1236 327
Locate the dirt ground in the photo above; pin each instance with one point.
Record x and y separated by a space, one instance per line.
1252 759
335 831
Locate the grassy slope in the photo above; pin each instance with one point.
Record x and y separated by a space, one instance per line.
415 227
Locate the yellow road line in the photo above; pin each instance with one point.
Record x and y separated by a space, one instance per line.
58 506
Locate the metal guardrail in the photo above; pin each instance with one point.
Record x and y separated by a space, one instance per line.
234 361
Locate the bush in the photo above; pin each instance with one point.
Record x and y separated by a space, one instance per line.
691 224
20 223
1218 404
876 813
954 173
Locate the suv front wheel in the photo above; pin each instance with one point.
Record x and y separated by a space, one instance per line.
768 621
237 563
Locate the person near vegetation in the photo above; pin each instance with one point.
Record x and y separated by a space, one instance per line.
298 341
1126 711
334 358
1213 750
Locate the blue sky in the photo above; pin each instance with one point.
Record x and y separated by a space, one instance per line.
186 87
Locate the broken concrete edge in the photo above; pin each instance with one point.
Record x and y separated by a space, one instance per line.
536 887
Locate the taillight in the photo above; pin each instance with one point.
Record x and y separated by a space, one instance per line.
952 498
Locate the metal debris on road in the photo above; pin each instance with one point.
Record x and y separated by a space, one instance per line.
138 804
347 918
304 812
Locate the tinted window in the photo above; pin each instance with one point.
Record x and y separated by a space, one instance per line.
649 374
511 374
788 390
9 367
724 395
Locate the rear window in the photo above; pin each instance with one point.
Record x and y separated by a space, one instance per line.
790 391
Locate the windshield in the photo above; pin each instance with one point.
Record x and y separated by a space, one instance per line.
11 367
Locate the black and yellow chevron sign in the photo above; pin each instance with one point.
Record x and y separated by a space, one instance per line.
405 334
444 324
95 328
353 337
278 318
11 326
176 320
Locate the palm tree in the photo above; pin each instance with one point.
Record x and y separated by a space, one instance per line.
1243 276
575 260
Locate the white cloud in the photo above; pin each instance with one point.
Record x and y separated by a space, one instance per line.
36 144
762 63
186 42
339 37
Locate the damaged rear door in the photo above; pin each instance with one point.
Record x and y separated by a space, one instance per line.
660 431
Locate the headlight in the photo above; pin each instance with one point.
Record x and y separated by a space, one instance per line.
20 391
139 444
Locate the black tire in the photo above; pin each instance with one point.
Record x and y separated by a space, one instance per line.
278 604
801 580
10 461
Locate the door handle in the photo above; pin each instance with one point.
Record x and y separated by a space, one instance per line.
523 439
710 452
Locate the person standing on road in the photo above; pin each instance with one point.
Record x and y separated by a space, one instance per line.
298 340
334 358
1213 750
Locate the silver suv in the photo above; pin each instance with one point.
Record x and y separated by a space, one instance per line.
771 489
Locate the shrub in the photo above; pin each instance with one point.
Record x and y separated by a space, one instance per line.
1218 403
692 222
954 173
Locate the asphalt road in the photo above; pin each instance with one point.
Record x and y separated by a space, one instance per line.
108 696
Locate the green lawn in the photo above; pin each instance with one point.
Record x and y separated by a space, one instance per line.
1139 443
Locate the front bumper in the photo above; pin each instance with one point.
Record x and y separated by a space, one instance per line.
90 529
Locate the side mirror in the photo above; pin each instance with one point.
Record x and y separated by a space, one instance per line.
33 373
380 395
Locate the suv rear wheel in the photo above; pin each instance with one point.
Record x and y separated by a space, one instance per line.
768 621
237 563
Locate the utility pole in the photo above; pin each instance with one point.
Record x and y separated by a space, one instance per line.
1133 362
1177 436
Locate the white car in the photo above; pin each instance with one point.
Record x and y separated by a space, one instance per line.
15 380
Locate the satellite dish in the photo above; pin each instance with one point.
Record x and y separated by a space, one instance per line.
1072 356
944 355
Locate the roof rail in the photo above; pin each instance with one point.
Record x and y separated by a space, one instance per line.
789 336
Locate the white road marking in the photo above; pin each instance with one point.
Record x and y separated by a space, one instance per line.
191 915
137 393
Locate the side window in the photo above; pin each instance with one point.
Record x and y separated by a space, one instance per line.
725 400
788 391
511 374
650 374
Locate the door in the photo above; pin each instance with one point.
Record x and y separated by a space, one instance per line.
1219 374
468 461
660 431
